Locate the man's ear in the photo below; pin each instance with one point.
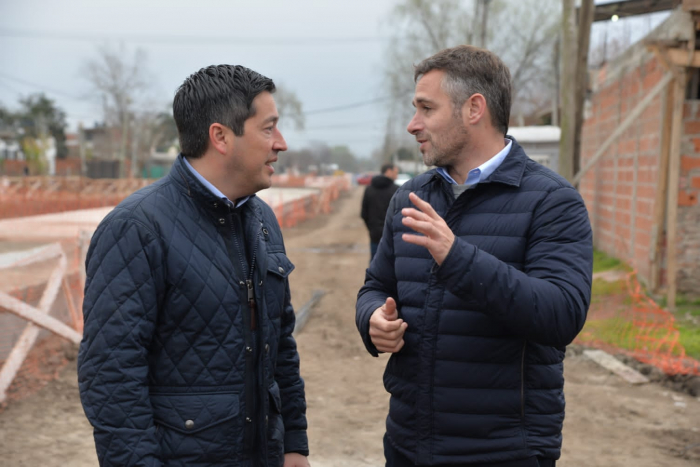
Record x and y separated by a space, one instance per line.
474 109
220 137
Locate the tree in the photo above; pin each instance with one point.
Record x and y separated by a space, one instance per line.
289 107
39 117
120 83
421 28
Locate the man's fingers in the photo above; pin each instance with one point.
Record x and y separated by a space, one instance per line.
419 240
423 205
389 306
426 228
415 214
383 325
390 347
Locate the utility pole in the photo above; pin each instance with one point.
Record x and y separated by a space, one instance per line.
557 82
568 90
81 149
484 21
585 20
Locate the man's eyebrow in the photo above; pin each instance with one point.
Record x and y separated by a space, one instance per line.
421 100
271 119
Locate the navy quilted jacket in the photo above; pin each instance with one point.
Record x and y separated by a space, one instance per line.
480 377
166 368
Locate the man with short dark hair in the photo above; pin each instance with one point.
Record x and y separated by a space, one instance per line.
375 202
482 278
187 357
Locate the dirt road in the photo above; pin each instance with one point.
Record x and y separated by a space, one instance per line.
609 423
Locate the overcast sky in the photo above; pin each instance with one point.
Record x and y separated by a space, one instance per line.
329 52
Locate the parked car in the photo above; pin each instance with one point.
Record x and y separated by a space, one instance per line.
365 179
401 179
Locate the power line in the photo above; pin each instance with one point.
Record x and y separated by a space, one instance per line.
350 106
179 39
39 86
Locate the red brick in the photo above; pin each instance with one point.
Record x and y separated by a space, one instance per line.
643 239
695 182
692 127
646 191
689 163
686 198
644 223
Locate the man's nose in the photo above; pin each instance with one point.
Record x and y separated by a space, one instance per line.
280 144
415 125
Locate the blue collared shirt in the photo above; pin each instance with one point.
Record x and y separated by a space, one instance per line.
483 171
215 191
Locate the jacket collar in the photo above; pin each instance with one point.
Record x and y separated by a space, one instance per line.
510 172
186 181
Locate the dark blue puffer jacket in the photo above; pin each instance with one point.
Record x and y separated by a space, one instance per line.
480 377
166 368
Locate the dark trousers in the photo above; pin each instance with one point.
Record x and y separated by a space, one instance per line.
396 459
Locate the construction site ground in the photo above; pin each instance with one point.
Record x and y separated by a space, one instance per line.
608 423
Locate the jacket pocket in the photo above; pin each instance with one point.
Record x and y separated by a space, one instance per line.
198 428
278 269
275 429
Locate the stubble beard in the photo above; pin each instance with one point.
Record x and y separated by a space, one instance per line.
447 154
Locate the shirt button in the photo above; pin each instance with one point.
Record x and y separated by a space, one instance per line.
189 424
248 420
267 348
222 220
249 349
216 205
281 270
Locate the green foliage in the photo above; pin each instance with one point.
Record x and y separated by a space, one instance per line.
690 339
603 262
39 116
602 288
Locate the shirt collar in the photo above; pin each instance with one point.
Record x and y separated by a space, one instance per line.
214 190
483 171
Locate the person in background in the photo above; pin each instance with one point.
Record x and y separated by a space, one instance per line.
187 356
481 280
375 203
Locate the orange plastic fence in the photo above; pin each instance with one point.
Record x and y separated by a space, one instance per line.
30 196
49 353
27 196
292 212
632 323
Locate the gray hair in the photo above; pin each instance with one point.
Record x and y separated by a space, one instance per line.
471 70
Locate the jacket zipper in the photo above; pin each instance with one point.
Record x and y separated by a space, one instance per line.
249 350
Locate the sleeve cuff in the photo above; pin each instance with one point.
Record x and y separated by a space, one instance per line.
296 441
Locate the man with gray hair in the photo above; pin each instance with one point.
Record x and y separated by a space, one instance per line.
482 279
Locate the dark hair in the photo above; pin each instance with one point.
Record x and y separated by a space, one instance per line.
216 94
386 167
470 70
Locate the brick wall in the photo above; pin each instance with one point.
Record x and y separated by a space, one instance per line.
688 205
620 190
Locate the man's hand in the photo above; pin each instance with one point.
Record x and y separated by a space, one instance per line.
437 236
293 459
386 329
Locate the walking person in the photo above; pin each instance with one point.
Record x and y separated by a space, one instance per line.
482 279
375 203
187 357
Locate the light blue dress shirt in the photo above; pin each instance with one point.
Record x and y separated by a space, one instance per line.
483 171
